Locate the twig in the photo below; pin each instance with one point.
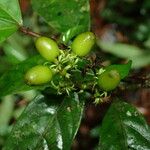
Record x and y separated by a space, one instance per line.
27 31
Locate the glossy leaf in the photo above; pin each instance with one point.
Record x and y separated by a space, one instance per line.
10 18
123 69
67 17
69 34
47 123
12 81
124 128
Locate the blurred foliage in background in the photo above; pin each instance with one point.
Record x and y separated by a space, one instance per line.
127 30
130 16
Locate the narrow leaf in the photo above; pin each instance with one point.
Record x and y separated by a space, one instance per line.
47 123
124 128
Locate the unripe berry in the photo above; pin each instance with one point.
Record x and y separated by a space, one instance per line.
38 75
109 80
83 43
48 48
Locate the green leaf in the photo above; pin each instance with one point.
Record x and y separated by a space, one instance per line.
69 34
10 18
139 57
14 48
12 81
67 17
47 123
124 128
6 110
120 49
123 69
141 61
13 54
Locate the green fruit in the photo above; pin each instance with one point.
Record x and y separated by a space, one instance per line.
38 75
48 48
109 80
83 43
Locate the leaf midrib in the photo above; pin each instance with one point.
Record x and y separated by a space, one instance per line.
47 126
16 21
122 126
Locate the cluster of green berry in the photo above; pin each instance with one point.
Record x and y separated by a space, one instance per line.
80 47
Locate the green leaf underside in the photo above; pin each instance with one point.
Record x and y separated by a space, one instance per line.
6 110
120 49
139 57
10 18
124 128
47 124
123 69
67 17
12 81
141 61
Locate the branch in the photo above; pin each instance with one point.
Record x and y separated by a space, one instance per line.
27 31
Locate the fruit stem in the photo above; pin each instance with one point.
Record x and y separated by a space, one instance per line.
27 31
